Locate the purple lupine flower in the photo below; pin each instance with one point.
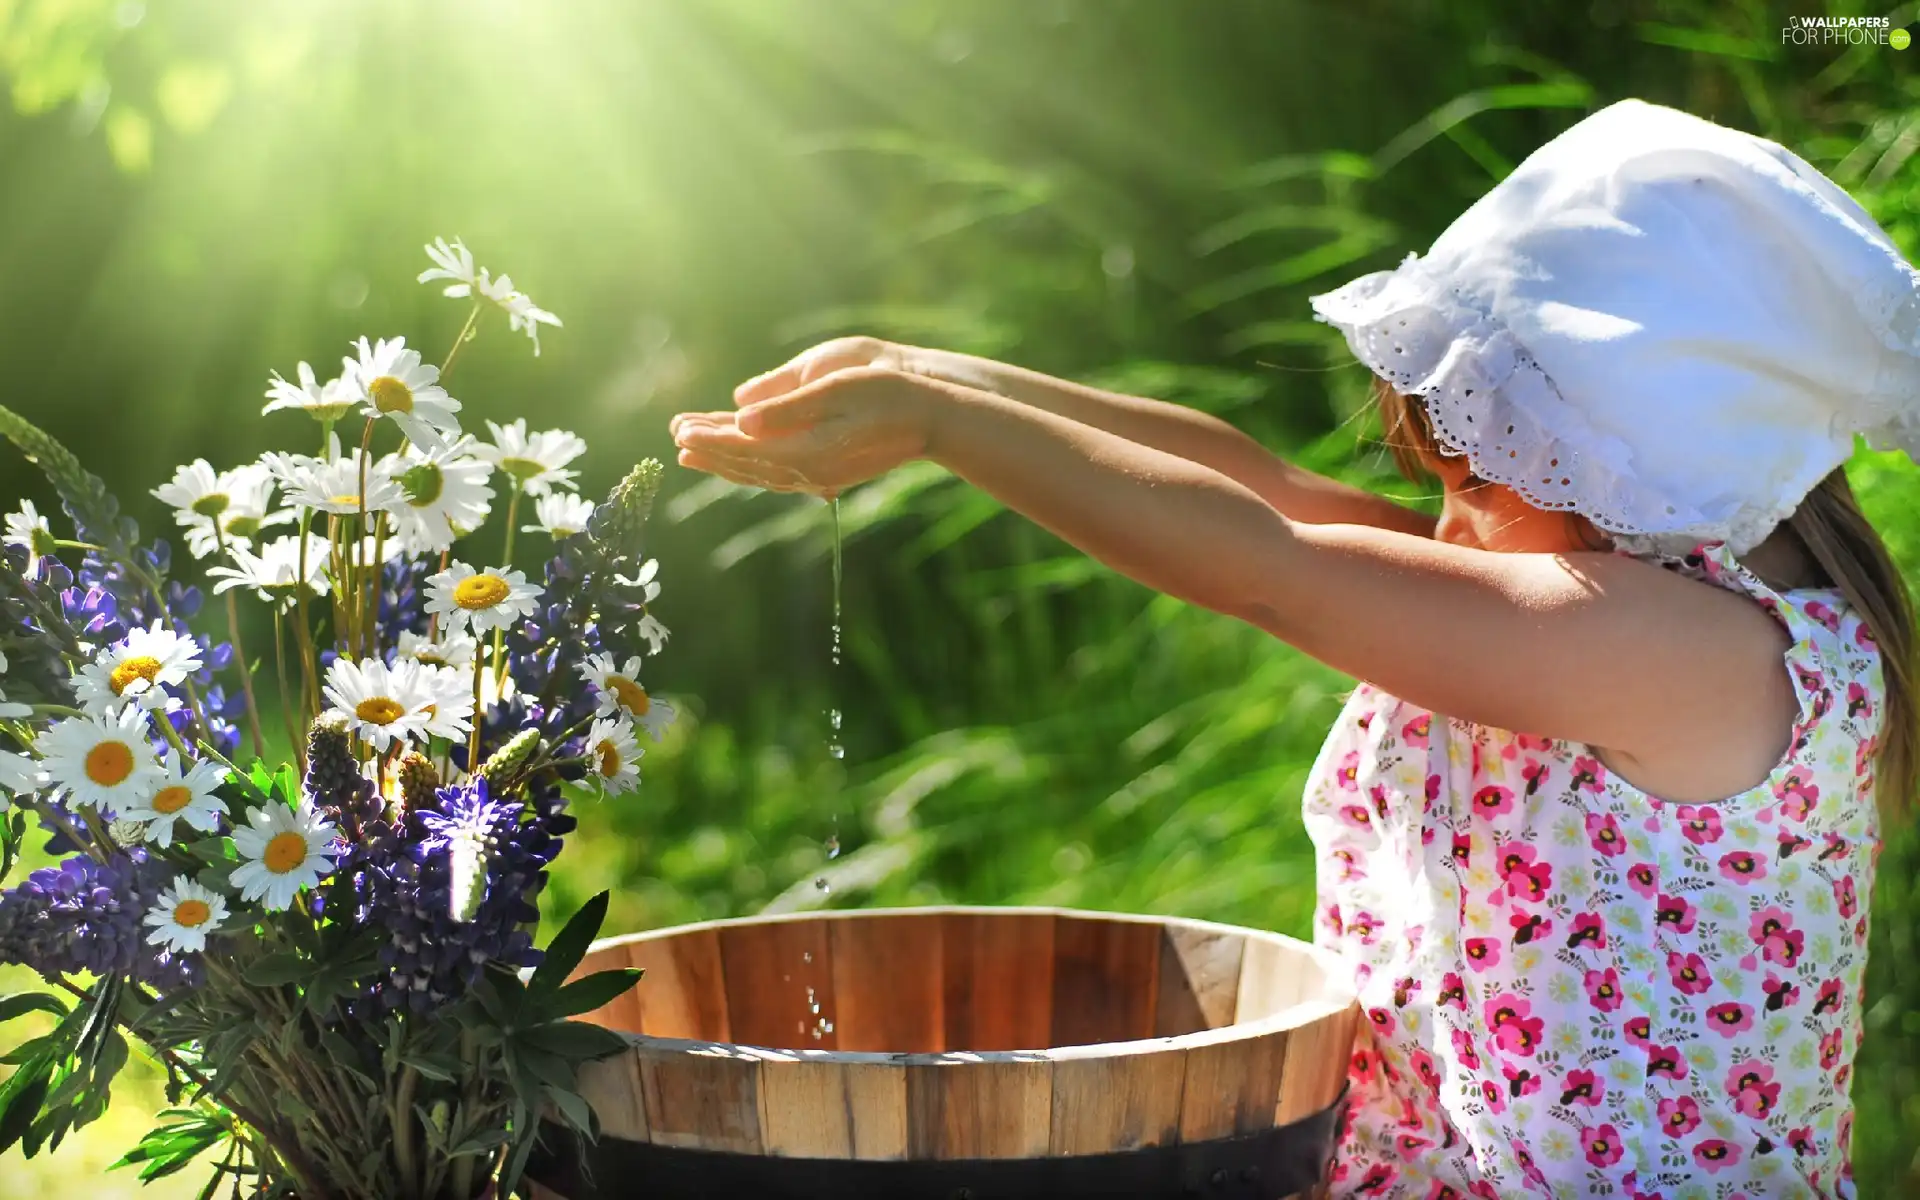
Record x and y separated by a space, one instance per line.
83 915
431 957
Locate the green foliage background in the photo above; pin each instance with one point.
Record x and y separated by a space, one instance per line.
1136 192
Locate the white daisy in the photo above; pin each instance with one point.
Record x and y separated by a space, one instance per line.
444 493
617 692
453 649
613 755
103 761
18 774
381 704
248 513
450 699
332 484
455 264
213 504
285 850
274 570
538 461
644 579
29 530
451 262
11 712
649 628
393 382
561 514
138 668
184 915
326 402
522 312
484 600
178 796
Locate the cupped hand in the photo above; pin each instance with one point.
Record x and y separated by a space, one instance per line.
810 429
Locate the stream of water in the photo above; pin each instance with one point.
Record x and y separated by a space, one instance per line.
823 1024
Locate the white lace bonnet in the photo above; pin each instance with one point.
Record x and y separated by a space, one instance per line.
1672 328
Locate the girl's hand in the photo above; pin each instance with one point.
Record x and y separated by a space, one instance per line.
817 425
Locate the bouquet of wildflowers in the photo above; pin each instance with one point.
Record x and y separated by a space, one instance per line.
332 957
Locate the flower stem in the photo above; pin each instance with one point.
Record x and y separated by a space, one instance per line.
473 314
506 564
403 1157
359 534
296 1163
280 671
303 631
473 741
239 652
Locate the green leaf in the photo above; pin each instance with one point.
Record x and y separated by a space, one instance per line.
21 1003
502 995
441 1070
96 514
291 1104
573 1108
569 946
23 1103
280 968
592 992
545 1067
526 1132
575 1041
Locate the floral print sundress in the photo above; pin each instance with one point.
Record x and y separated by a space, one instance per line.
1576 989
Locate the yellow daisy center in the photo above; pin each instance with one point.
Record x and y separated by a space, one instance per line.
609 759
170 800
284 852
390 395
379 710
109 763
144 667
353 499
211 505
190 913
480 591
631 695
522 469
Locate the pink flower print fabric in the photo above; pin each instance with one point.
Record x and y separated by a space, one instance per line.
1574 988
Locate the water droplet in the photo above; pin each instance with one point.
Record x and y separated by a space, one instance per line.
833 846
801 1024
820 882
833 715
834 749
814 1008
805 956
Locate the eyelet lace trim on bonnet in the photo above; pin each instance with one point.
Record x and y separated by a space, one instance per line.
1488 399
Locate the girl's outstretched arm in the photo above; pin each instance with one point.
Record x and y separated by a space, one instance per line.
1196 436
1595 648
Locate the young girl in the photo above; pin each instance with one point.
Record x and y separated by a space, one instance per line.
1597 829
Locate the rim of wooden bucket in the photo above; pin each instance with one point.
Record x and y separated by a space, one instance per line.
1332 1000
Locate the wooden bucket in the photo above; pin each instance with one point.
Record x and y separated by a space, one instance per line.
962 1054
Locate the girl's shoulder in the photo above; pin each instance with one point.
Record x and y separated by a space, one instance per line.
1831 645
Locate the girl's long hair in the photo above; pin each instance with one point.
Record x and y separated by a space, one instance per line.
1838 536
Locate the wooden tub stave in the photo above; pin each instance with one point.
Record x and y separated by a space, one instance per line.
958 1035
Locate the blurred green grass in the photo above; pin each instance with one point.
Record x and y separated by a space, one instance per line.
1125 191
